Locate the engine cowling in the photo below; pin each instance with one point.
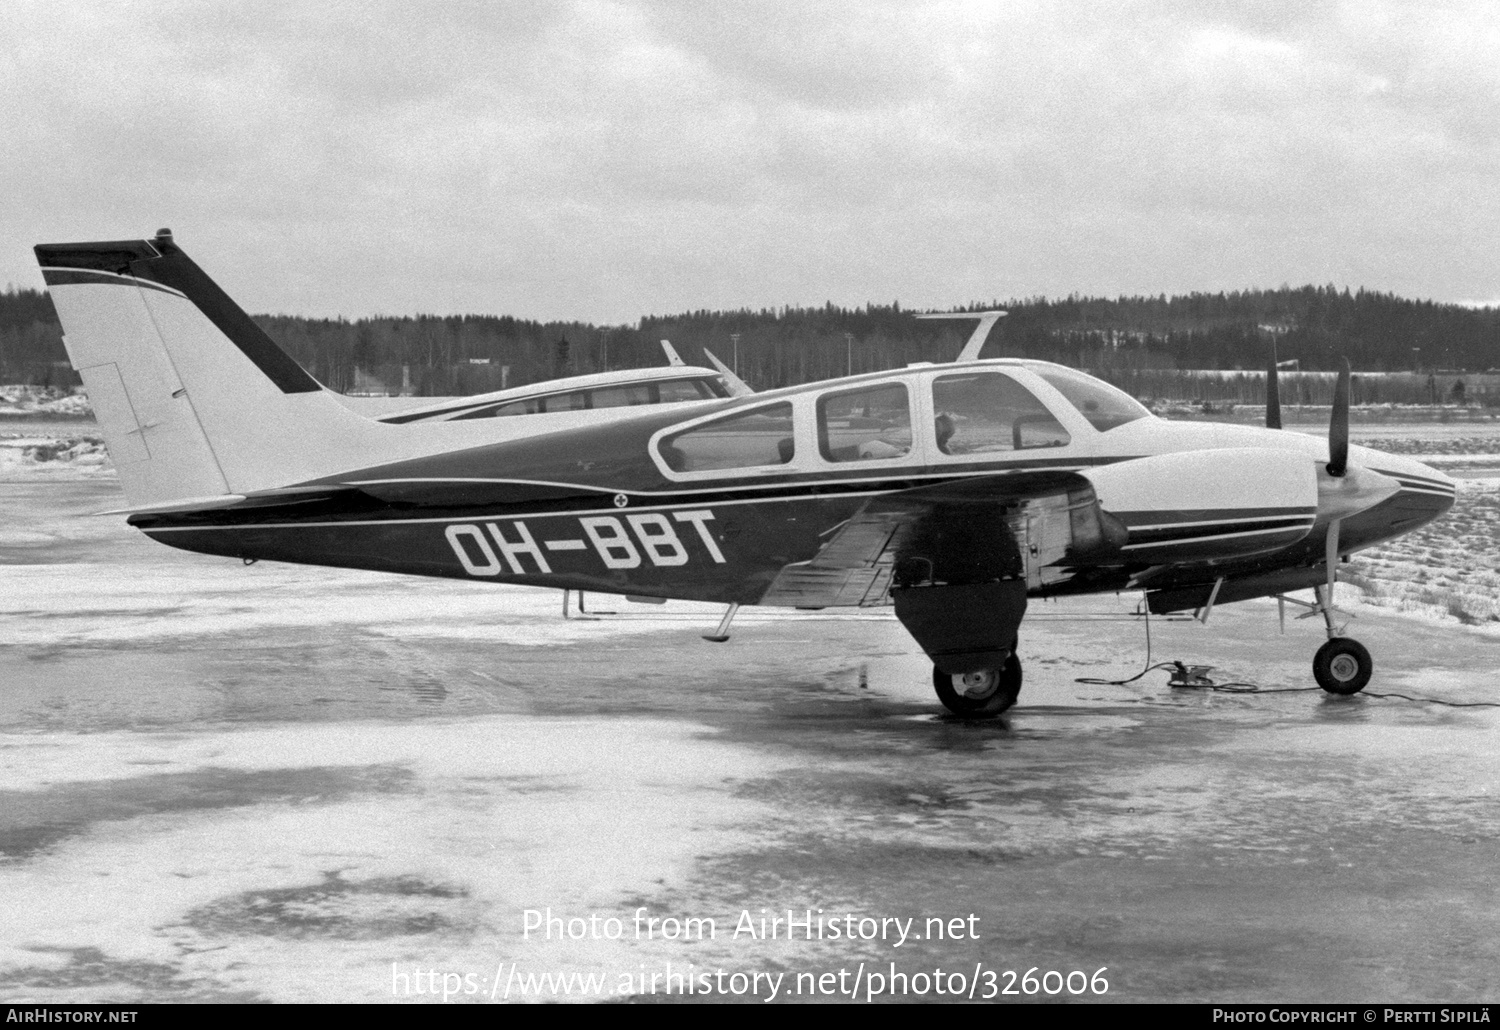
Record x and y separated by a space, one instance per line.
1210 505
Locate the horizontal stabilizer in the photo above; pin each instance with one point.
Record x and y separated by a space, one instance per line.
737 386
184 505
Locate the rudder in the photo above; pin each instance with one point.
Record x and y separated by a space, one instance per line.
195 401
149 425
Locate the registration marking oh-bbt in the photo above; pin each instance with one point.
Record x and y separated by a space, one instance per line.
619 543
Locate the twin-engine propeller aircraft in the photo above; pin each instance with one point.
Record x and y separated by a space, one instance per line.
955 492
677 383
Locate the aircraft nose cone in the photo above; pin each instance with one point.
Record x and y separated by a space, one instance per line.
1434 486
1423 493
1436 475
1416 477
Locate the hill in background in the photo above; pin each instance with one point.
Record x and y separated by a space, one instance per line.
1133 341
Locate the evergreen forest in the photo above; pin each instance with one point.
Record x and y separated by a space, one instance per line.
1124 339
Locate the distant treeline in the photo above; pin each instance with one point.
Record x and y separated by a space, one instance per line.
1120 339
1309 388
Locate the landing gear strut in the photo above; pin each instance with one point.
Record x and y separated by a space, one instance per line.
983 692
1342 665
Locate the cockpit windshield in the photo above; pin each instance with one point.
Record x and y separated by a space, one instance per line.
1104 406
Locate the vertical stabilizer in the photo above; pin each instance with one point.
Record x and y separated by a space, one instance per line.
987 320
737 386
194 399
149 425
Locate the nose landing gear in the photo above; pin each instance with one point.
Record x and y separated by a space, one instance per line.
1342 665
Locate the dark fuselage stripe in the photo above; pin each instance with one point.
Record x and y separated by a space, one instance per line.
531 513
1181 534
1274 537
1192 526
1154 519
729 486
590 499
1409 479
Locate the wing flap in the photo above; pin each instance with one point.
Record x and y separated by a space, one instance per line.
975 530
806 585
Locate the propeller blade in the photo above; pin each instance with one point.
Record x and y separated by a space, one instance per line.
1338 426
1273 391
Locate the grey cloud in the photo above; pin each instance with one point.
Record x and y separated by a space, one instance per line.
599 160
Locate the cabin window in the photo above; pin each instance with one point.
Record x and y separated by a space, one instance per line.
675 390
531 406
865 425
983 412
748 440
1104 406
622 396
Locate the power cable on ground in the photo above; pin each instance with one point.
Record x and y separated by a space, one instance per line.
1242 687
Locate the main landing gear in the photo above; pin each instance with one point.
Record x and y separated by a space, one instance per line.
969 630
984 692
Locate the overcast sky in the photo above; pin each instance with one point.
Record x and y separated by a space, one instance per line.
600 161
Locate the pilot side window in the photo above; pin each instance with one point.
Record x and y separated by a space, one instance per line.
982 412
865 425
1103 405
756 438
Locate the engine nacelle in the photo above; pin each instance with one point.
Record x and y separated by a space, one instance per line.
1209 505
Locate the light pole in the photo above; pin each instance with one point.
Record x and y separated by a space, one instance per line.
848 354
735 338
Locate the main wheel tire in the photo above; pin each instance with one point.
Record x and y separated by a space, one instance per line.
986 692
1342 666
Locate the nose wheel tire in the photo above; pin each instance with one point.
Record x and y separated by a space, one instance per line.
985 692
1342 666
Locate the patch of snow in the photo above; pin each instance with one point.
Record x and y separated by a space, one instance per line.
36 455
23 401
465 824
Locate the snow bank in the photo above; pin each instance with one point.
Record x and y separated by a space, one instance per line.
41 401
34 455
